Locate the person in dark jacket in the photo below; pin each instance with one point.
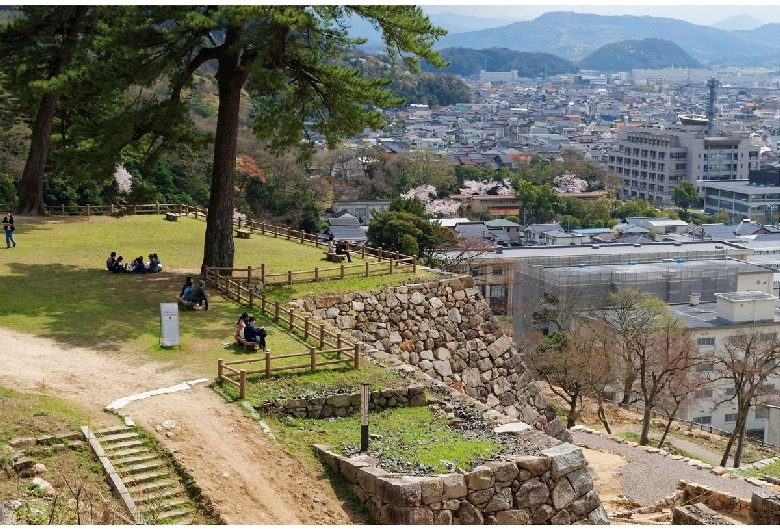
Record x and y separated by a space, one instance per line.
250 331
110 261
118 265
199 295
8 227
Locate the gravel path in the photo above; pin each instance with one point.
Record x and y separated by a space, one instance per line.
650 477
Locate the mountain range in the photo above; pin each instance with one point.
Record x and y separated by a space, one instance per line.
575 35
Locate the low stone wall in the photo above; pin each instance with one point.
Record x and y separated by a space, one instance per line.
343 405
445 329
697 514
717 500
553 487
765 508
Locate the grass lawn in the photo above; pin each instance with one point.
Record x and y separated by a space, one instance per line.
54 285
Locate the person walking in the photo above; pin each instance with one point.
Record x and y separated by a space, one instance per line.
8 226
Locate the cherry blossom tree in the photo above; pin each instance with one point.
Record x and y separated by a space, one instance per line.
568 183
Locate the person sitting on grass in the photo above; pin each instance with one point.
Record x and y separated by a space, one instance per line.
118 265
254 333
199 295
110 261
186 292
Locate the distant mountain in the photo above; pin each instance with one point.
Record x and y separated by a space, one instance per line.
647 53
575 35
738 22
468 62
456 23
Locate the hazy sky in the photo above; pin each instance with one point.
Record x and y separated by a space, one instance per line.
701 14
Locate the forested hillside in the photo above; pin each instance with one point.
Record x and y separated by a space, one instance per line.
469 62
646 53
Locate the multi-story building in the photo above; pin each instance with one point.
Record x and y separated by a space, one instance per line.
651 162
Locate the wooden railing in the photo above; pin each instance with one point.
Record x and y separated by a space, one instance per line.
226 372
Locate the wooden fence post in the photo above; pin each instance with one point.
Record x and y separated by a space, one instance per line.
338 341
342 271
363 251
391 265
313 353
367 269
322 336
289 277
267 363
306 324
262 273
242 384
276 311
316 274
303 237
157 208
63 210
289 234
249 283
262 304
414 264
135 209
357 356
379 257
87 210
111 209
219 369
291 317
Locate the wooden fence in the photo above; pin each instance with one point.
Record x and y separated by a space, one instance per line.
238 377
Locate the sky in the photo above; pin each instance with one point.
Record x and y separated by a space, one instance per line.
701 14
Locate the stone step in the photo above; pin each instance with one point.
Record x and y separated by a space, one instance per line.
111 447
140 478
174 502
140 456
173 514
111 430
153 496
136 450
134 470
117 437
145 489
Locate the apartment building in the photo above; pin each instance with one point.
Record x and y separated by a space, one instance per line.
651 162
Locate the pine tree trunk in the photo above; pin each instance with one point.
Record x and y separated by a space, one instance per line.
31 185
219 248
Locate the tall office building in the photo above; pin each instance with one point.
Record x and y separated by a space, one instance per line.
651 161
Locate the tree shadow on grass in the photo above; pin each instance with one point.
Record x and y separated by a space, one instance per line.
96 308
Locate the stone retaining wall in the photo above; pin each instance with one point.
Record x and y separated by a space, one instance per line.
717 500
697 514
553 487
765 508
445 329
343 405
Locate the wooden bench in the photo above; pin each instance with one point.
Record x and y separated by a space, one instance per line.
243 234
188 304
170 216
332 256
248 345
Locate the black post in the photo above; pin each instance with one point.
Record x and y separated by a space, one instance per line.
364 420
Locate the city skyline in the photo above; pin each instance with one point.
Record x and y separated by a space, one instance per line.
701 14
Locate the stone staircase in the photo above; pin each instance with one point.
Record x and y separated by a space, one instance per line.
149 478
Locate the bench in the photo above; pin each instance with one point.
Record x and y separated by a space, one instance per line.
243 234
337 258
188 304
170 216
248 345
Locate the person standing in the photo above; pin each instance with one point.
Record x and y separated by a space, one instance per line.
8 226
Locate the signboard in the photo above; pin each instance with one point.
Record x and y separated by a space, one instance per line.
169 325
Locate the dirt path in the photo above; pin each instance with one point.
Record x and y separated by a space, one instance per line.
247 477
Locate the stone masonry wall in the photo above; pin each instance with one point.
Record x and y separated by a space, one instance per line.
446 329
551 488
343 405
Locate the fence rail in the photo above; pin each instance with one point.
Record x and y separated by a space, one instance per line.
693 425
226 372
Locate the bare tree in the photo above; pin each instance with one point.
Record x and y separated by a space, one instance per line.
746 360
656 346
679 388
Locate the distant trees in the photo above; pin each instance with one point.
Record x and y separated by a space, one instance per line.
685 195
404 228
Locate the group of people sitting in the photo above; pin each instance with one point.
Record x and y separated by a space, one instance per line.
339 247
246 330
117 264
195 295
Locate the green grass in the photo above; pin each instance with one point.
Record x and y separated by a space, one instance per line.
35 415
409 435
54 286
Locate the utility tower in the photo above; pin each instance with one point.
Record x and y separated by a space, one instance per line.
712 83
